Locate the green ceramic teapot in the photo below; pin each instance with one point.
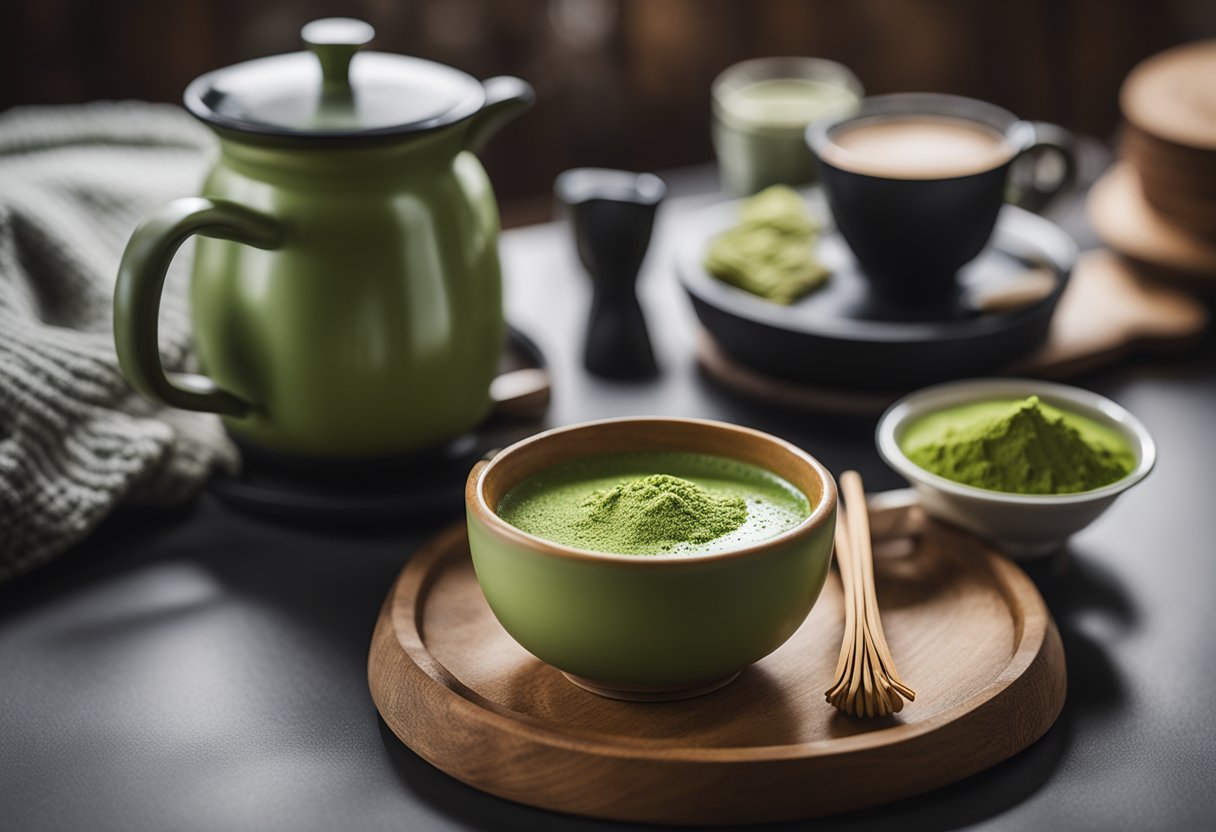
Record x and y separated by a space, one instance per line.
346 292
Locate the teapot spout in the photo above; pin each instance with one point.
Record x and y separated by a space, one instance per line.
506 97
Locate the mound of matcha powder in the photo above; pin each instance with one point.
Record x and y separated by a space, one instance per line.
771 252
656 512
1023 451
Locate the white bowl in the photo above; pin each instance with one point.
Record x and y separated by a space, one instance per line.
1022 525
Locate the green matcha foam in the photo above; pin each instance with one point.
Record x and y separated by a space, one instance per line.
654 503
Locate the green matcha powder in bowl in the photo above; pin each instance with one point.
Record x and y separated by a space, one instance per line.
1019 447
719 540
654 504
657 511
1024 463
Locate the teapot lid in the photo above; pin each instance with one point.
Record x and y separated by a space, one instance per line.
330 92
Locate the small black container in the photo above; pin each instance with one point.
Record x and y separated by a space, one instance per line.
612 214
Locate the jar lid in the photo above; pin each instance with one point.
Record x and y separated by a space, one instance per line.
332 92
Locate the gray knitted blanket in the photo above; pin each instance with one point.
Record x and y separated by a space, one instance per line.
75 441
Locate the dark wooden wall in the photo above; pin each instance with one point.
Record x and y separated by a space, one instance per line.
622 83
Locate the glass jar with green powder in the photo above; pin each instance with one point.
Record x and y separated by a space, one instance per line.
761 111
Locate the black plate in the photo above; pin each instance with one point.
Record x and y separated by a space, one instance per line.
417 490
843 336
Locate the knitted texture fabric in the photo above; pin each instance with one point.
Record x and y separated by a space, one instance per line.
75 440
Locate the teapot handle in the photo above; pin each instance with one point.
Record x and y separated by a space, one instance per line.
506 97
141 280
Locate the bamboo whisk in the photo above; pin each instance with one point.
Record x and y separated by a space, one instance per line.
867 683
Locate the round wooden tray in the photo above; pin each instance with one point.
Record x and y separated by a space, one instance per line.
1126 222
969 630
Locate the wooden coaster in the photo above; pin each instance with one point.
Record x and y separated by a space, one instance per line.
1172 95
1169 103
1126 222
1108 311
968 628
1178 182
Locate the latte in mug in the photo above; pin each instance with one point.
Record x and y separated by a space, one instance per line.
916 147
915 182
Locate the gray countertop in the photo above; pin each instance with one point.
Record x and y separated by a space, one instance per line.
205 669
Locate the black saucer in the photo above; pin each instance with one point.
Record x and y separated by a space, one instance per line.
844 336
419 489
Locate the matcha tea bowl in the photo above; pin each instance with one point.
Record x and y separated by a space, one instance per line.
1024 463
651 559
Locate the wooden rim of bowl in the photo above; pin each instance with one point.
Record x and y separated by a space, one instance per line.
490 480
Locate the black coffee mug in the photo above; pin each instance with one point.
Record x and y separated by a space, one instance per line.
913 232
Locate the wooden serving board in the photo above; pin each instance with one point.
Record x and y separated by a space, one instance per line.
968 628
1128 223
1109 311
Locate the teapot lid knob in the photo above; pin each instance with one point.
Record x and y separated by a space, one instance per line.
335 40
